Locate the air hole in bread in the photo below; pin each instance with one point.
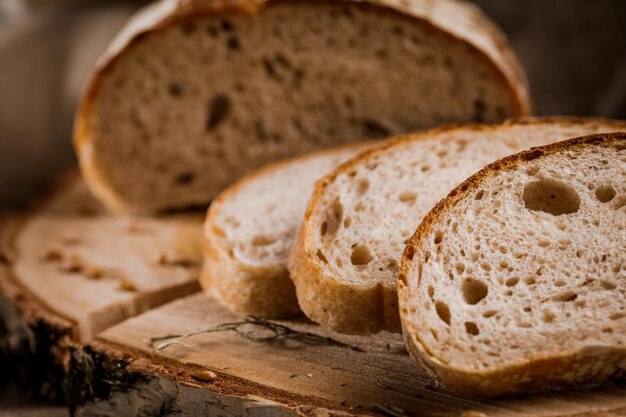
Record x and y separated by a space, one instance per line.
460 268
434 333
532 171
443 311
530 280
188 28
438 237
361 255
559 283
474 290
551 197
471 328
565 296
489 313
485 266
185 178
617 316
431 291
407 197
392 264
409 253
175 89
333 219
608 285
362 186
233 43
218 111
262 240
548 316
321 257
504 265
479 195
511 282
605 193
347 222
375 129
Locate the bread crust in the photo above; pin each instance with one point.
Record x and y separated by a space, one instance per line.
456 20
590 365
371 309
261 290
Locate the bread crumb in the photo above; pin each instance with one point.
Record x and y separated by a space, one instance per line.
205 375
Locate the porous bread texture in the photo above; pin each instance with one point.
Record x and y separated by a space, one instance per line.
250 228
517 280
192 95
347 255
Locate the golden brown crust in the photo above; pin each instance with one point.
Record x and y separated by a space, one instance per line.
540 374
357 309
265 291
504 64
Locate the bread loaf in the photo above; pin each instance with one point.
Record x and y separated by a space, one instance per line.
191 95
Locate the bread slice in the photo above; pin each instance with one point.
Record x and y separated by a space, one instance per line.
251 227
347 256
194 94
517 281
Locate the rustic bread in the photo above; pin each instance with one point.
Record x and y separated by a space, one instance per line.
517 280
347 256
194 94
250 228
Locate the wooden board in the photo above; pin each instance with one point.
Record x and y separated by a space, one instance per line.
97 270
51 302
334 377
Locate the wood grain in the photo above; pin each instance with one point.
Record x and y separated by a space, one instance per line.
330 376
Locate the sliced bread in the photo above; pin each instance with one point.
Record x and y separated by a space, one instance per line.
517 281
194 94
250 228
347 256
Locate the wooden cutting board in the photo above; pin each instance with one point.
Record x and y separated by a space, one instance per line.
98 340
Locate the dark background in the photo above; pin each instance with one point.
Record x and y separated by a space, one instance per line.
573 52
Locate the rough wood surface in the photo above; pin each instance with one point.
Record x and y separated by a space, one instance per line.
321 374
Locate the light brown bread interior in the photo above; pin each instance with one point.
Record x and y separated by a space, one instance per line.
192 95
250 228
347 256
517 280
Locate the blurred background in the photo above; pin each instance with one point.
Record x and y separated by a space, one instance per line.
573 52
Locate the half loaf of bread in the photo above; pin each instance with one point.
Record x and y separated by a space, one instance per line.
192 95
